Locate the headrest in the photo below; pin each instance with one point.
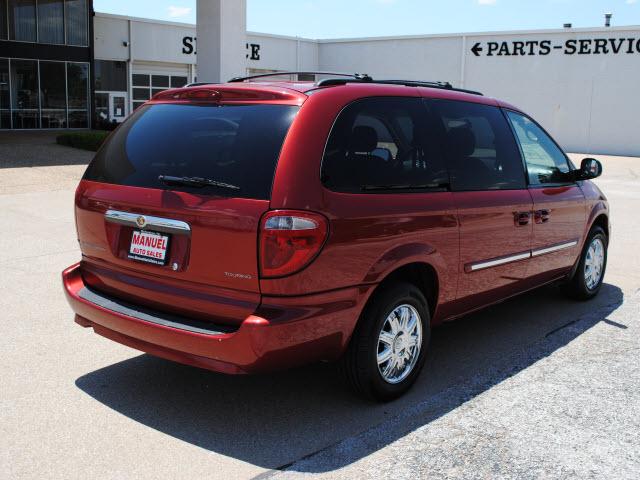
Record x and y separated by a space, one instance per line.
363 139
461 141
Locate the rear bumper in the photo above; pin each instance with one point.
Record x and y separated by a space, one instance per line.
283 332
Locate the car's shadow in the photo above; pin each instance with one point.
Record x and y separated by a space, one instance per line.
273 420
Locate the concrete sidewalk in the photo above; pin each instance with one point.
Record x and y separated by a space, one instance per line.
33 162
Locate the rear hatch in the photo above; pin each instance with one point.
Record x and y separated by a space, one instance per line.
168 211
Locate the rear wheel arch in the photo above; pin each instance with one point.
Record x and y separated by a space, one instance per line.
420 274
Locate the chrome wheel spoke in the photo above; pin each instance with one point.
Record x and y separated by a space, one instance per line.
399 343
413 323
405 315
394 323
412 342
391 365
384 355
387 338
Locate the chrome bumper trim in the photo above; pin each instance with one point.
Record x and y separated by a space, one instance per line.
153 316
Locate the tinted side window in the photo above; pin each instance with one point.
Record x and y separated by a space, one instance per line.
380 143
479 146
545 161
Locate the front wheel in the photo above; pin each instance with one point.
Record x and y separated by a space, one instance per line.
587 280
387 350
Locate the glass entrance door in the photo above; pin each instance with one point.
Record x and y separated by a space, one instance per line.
117 106
111 107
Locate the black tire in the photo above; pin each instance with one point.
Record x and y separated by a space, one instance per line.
359 365
577 286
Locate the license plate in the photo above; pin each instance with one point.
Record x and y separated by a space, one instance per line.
150 247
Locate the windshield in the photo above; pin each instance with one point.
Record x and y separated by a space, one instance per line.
233 144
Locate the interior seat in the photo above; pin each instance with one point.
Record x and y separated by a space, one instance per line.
467 171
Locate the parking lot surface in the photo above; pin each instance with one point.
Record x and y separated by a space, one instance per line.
536 387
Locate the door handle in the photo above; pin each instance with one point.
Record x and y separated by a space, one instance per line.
521 218
541 216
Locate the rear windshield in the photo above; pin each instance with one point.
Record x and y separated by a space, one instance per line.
233 144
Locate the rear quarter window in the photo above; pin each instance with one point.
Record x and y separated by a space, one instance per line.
382 144
233 144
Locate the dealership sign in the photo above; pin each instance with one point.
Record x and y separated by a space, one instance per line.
189 48
584 46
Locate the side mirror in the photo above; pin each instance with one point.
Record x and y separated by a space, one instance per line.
589 168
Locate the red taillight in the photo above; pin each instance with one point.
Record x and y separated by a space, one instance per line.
289 241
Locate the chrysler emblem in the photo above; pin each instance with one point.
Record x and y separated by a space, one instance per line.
141 221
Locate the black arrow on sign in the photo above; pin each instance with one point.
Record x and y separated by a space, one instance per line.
476 49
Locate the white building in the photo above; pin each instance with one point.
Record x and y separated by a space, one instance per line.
581 84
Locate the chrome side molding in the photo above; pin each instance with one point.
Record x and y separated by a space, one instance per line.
554 248
494 262
472 267
157 224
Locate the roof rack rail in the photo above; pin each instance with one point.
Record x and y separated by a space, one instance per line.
407 83
355 76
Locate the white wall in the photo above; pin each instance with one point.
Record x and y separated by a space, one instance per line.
149 41
284 53
589 102
109 33
407 59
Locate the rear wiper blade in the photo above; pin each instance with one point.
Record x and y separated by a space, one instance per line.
195 182
425 186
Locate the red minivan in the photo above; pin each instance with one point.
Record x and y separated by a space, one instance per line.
262 224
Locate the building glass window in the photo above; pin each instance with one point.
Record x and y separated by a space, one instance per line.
141 91
51 21
179 82
22 20
110 76
160 81
24 93
146 86
76 22
78 94
43 94
5 112
140 80
141 94
53 98
3 19
102 106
